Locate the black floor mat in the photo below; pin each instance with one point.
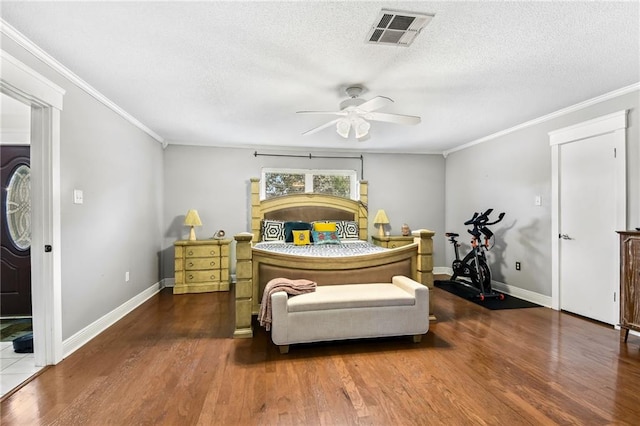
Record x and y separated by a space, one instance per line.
12 328
493 303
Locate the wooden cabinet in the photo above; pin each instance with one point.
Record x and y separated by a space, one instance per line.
201 266
392 241
629 283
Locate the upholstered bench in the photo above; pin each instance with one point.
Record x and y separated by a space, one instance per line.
350 311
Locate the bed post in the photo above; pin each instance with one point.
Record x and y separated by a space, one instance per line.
244 286
256 212
363 214
424 274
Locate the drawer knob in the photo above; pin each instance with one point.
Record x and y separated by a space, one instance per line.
190 252
213 277
212 252
190 263
213 263
190 277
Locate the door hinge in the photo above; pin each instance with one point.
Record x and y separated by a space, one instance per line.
614 296
615 153
47 248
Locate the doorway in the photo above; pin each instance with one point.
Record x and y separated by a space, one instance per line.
15 243
45 99
588 206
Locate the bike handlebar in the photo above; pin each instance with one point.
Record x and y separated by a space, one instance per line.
481 220
472 220
500 217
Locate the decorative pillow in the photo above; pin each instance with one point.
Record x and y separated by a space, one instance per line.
272 230
347 229
301 238
324 226
325 237
289 227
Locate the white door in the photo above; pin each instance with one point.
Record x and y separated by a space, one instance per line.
589 269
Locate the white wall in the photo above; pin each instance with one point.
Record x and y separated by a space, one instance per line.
15 121
508 172
215 181
118 228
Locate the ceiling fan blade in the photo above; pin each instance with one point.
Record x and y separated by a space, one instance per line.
322 112
375 103
392 118
324 126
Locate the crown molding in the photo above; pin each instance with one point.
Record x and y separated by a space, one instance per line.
556 114
47 59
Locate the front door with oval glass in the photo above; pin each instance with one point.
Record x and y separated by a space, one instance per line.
15 232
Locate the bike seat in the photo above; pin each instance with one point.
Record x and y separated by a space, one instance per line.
451 234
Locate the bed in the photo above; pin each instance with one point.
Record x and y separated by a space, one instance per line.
257 263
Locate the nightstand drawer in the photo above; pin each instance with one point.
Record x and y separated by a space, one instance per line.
194 264
392 241
395 244
207 251
202 276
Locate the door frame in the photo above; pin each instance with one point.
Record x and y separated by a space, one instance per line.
615 123
45 98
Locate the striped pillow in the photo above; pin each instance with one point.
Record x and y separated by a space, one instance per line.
347 229
272 230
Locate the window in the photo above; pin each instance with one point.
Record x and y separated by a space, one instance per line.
276 182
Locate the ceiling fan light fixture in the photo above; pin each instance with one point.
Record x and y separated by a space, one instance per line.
343 127
362 128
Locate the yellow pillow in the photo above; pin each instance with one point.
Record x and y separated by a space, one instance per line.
324 227
301 238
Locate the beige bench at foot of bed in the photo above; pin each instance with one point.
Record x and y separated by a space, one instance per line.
351 311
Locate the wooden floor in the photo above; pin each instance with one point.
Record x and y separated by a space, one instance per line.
172 362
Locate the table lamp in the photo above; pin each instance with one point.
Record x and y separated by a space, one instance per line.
192 219
382 220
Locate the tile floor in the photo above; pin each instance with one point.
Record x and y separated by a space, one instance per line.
14 368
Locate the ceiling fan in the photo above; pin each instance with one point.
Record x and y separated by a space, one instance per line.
356 113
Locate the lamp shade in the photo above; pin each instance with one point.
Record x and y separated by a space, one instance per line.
192 218
381 218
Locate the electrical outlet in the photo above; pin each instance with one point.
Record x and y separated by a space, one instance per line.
517 266
78 196
126 277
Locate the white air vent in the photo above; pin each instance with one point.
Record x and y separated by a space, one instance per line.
397 27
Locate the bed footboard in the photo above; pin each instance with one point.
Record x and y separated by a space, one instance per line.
254 268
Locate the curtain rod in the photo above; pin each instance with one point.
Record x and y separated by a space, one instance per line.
311 157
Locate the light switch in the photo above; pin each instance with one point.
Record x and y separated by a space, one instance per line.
77 196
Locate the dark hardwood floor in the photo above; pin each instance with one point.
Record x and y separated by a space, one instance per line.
172 362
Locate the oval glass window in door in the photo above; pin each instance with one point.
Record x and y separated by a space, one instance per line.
19 207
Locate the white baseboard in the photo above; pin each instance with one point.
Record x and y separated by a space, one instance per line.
83 336
442 270
521 293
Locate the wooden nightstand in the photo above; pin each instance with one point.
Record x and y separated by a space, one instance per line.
201 266
392 241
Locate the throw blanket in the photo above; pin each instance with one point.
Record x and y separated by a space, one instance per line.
281 284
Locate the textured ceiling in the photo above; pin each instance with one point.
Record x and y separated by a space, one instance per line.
235 73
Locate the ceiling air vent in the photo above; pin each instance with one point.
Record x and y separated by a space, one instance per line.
397 28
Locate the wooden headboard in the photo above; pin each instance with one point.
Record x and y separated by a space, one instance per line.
308 208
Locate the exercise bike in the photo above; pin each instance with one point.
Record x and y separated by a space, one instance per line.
474 265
